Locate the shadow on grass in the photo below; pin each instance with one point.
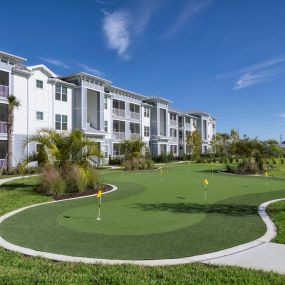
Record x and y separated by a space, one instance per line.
17 185
194 208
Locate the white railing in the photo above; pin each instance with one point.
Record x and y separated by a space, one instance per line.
173 123
135 116
3 127
119 112
2 163
119 135
134 136
188 126
4 91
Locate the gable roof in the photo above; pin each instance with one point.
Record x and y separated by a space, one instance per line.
43 68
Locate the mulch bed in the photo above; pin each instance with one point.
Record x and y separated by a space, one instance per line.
104 188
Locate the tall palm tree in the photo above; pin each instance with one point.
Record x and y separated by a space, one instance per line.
64 149
13 103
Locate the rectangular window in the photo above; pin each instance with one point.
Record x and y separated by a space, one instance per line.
61 93
40 84
188 120
105 103
146 112
134 108
172 117
173 133
134 128
117 104
106 151
58 122
146 131
64 122
106 126
64 93
40 116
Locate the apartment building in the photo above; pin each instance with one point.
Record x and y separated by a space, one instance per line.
106 113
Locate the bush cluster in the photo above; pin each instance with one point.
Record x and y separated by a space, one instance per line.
78 180
138 164
247 166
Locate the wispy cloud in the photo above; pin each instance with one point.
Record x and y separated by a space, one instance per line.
90 69
122 27
53 61
257 74
191 9
116 27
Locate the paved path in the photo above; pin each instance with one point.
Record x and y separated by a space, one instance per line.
268 256
258 254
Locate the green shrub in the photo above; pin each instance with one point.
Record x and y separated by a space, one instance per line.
282 160
93 179
138 164
231 159
51 181
76 180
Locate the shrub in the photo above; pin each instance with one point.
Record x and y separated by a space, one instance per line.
52 182
274 160
282 160
247 167
93 179
76 180
231 159
138 164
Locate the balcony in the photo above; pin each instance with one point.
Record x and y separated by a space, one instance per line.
173 123
4 91
135 116
2 163
135 136
3 127
119 135
119 112
188 126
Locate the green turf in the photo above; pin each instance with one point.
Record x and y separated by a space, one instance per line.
150 219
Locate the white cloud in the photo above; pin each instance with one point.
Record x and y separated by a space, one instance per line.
53 61
258 73
116 27
89 69
191 8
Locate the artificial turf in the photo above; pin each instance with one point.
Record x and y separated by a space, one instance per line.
148 218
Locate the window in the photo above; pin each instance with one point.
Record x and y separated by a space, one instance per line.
106 151
194 123
40 116
106 126
117 149
188 120
3 112
214 126
105 103
117 104
172 117
3 149
118 126
173 132
61 93
135 128
173 149
60 122
40 84
146 131
146 112
134 108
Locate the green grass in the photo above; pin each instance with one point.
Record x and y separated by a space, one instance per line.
150 219
277 214
18 269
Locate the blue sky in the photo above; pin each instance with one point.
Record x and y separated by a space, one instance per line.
226 57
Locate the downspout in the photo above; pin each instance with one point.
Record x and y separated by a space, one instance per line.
28 125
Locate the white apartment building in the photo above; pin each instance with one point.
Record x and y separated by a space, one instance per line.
106 113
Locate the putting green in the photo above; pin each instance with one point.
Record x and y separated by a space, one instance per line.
150 218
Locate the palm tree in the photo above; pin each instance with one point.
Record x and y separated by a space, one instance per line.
13 103
64 149
132 148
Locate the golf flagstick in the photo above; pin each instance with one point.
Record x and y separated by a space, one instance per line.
205 186
161 172
99 195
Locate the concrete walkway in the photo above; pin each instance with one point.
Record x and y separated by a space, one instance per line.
257 254
267 256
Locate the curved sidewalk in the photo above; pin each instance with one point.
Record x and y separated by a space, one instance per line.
258 254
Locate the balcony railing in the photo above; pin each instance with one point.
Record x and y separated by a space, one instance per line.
119 112
173 123
134 136
4 91
135 116
188 126
2 164
119 135
3 127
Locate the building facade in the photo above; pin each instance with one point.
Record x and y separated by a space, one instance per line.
106 113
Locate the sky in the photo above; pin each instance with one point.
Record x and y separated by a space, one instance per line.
224 57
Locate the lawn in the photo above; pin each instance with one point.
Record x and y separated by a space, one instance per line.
18 269
150 219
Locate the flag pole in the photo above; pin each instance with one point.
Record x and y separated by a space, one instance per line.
99 209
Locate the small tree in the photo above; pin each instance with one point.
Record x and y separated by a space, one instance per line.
194 143
132 148
13 103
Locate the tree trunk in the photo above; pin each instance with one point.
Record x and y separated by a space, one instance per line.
10 142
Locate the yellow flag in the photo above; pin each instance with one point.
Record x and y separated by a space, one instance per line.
205 181
99 194
160 171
